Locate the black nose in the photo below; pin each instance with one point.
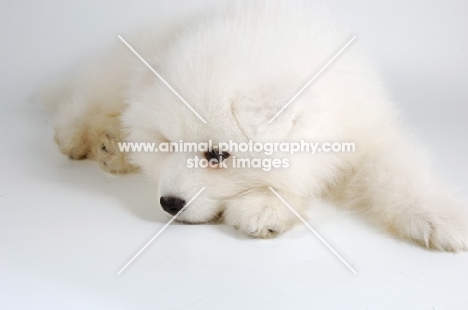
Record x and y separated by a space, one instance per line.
172 204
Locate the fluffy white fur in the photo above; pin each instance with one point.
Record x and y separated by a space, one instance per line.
237 65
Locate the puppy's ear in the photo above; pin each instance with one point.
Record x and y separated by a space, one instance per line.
253 113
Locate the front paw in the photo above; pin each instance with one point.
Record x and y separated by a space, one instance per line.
260 214
444 230
109 156
72 142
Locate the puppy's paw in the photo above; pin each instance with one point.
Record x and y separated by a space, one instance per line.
109 156
445 230
260 214
451 239
73 144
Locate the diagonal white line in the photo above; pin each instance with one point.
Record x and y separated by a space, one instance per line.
162 80
313 78
313 230
160 231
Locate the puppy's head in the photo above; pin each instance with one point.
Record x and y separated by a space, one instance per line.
237 94
182 169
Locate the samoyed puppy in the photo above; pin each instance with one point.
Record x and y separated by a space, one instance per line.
237 65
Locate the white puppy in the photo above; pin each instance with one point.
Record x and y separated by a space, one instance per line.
237 66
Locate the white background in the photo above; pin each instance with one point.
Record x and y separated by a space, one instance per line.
66 227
